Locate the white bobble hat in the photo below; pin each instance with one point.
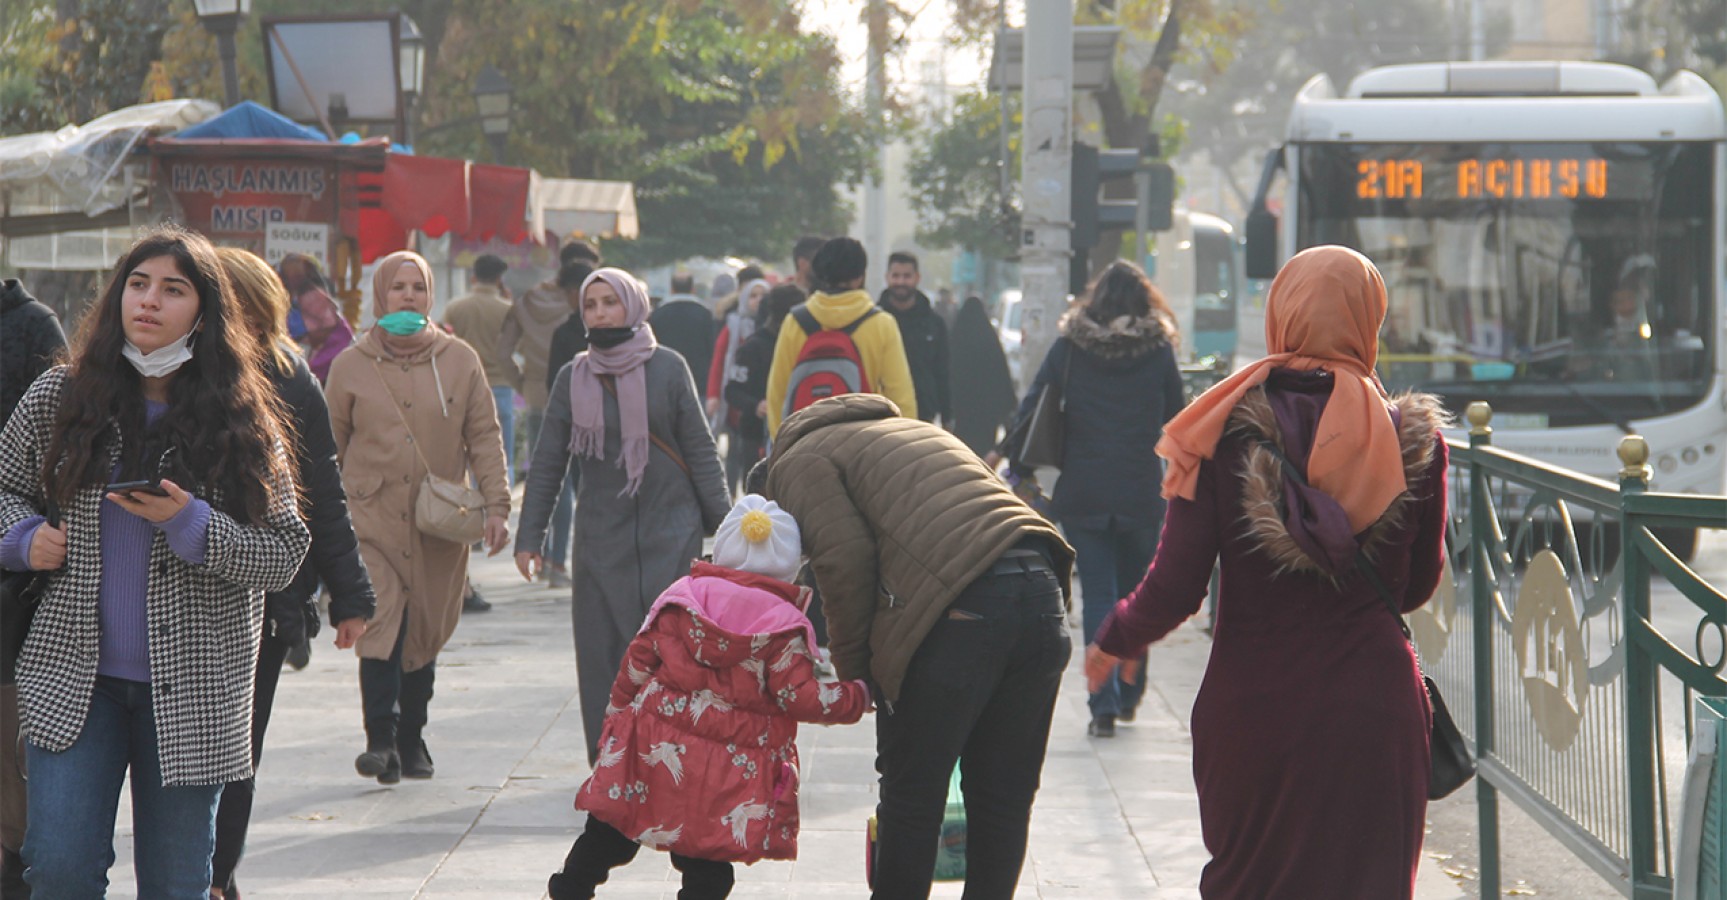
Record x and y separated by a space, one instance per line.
757 536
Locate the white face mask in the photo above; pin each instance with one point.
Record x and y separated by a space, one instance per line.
162 361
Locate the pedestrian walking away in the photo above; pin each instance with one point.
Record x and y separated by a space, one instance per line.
980 384
1310 732
839 306
534 318
1114 364
699 753
740 323
955 613
31 342
291 615
161 451
407 402
925 337
649 482
682 323
479 318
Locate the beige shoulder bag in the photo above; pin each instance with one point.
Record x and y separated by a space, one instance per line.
447 510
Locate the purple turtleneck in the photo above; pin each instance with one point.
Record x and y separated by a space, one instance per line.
126 543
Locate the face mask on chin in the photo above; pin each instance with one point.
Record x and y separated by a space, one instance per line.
607 338
163 360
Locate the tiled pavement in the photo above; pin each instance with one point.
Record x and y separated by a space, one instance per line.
1115 818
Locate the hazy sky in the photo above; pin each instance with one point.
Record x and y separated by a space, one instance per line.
843 19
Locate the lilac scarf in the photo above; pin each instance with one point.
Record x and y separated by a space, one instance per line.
624 364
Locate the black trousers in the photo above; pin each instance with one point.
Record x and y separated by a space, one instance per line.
234 813
602 848
980 690
393 699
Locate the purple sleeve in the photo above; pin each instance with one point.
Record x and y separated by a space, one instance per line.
1178 579
188 531
15 547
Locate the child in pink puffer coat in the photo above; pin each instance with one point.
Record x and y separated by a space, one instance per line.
699 753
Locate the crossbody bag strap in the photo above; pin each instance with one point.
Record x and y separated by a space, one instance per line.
1361 561
606 381
401 415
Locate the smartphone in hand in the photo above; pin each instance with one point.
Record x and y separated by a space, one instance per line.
153 488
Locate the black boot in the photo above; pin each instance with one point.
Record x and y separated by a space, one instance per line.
416 759
12 883
380 760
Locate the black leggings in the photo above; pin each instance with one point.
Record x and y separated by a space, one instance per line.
602 848
234 813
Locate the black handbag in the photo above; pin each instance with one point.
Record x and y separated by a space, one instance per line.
20 597
1452 762
1044 439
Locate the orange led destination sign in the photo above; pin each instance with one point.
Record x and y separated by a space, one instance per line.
1475 179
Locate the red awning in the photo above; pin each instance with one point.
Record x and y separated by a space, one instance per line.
427 193
499 202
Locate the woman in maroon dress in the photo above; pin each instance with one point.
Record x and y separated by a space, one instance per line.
1310 732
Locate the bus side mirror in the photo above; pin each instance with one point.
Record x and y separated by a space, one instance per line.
1261 251
1261 260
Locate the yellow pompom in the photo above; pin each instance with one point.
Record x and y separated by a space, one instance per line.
756 526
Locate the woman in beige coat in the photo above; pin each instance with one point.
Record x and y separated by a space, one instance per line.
408 395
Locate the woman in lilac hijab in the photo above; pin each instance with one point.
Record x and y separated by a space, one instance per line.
650 484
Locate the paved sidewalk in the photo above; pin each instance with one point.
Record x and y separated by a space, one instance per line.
1115 818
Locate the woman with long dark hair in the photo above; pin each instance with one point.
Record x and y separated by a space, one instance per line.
406 398
291 616
164 454
746 390
1115 363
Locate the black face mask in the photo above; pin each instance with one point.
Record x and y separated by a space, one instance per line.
607 338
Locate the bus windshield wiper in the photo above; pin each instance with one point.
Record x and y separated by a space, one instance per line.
1599 407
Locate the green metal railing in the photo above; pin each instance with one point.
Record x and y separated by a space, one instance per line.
1564 679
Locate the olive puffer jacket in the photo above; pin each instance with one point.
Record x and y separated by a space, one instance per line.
898 516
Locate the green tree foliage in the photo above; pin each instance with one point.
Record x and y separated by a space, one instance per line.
955 178
69 65
726 114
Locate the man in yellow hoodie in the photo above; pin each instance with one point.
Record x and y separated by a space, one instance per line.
839 301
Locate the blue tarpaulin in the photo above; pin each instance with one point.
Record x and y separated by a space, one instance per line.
249 120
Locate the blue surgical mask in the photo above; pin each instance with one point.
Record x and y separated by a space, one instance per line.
404 323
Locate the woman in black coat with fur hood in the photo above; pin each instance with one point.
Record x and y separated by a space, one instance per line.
1116 360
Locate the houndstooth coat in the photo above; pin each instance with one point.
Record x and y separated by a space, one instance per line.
204 620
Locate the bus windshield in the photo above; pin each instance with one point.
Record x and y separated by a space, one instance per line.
1568 284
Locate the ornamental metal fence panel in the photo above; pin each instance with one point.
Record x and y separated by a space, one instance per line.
1542 642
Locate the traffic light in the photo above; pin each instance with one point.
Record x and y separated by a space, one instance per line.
1094 171
1098 177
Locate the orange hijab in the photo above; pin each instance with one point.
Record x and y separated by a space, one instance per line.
1324 312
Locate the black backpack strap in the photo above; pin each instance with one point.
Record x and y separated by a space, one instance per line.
806 319
859 321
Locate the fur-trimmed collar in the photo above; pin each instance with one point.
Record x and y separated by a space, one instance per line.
1123 338
1422 416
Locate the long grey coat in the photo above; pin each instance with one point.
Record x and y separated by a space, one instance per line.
627 549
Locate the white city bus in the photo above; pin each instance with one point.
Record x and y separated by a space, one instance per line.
1552 238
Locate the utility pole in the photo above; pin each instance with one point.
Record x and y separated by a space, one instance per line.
1046 162
875 203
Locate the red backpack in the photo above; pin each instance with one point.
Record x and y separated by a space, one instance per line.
829 363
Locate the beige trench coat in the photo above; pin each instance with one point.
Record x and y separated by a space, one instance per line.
381 473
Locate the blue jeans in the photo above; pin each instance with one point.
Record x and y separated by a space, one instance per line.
75 794
1111 562
504 398
980 689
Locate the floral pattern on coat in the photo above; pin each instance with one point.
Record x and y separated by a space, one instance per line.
699 752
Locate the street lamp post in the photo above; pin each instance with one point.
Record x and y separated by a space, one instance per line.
222 18
412 57
492 96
